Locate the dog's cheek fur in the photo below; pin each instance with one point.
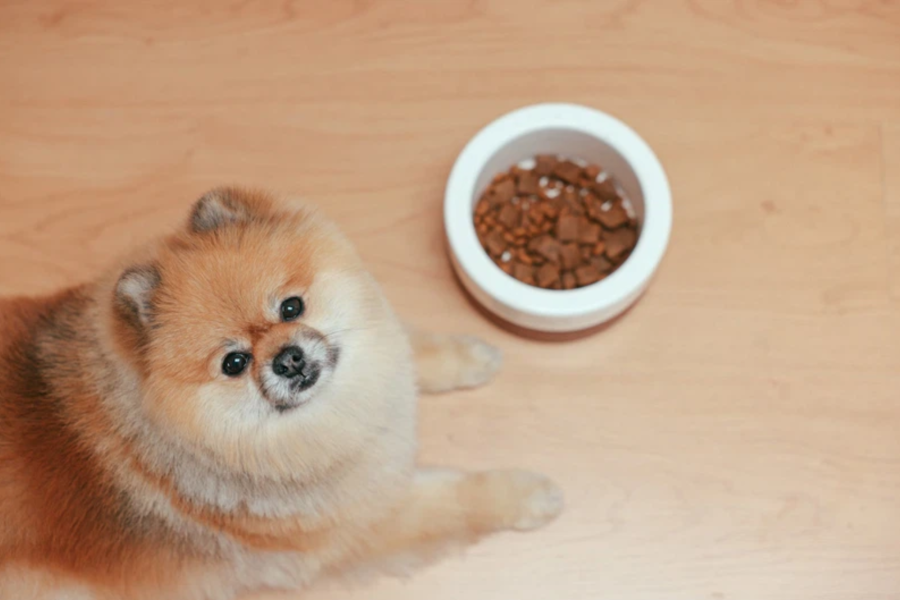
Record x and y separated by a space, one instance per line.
64 517
172 408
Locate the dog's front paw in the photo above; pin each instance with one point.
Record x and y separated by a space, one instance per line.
522 500
451 362
542 501
478 361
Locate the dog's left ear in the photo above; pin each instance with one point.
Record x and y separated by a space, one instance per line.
134 294
221 207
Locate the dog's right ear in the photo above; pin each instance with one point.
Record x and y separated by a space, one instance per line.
219 207
134 294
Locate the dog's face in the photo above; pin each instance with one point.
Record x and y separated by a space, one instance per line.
254 317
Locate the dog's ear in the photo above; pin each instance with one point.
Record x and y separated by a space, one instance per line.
134 294
220 207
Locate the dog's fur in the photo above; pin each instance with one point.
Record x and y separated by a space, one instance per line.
131 467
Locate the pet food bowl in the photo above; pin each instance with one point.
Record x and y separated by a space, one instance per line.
576 132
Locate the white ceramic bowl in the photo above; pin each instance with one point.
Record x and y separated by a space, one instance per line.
576 132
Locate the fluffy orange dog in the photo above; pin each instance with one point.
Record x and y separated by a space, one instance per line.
231 409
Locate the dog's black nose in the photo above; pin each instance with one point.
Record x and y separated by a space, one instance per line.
289 362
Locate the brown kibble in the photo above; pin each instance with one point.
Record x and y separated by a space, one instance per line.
591 172
587 274
509 216
523 256
592 203
509 237
617 261
528 183
495 244
523 273
588 233
614 216
547 275
544 165
602 264
553 198
507 267
620 241
490 197
521 215
570 196
519 242
578 208
585 252
567 171
567 228
524 219
605 189
482 207
575 207
504 191
568 280
490 220
570 256
547 226
599 248
519 231
547 247
482 229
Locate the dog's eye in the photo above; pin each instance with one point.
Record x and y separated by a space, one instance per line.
235 363
291 308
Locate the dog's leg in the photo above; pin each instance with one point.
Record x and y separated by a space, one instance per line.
449 362
446 509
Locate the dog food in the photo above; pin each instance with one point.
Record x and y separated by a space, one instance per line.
556 223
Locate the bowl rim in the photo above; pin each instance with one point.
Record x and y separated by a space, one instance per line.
634 273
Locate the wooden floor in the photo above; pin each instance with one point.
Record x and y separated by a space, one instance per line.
737 436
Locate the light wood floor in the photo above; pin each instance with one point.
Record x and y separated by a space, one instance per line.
737 436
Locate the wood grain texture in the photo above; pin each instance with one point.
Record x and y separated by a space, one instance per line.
735 437
891 170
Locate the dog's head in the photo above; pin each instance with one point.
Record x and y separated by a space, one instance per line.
255 322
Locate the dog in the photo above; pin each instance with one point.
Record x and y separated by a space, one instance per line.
231 408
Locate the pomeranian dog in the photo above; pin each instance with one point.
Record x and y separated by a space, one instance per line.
232 408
